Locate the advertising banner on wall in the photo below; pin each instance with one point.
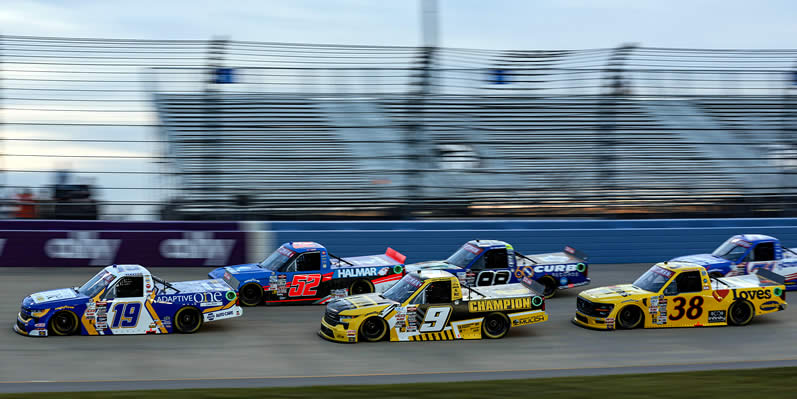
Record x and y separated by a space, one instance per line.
152 248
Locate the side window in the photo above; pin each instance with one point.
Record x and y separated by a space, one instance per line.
496 259
764 252
439 292
308 261
479 263
689 282
127 287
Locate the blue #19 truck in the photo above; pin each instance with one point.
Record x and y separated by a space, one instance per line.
307 273
490 262
745 254
126 299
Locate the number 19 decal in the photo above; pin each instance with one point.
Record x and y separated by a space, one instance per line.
436 319
125 314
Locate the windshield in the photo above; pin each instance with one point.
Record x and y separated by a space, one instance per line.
277 259
404 288
97 283
464 256
653 279
732 249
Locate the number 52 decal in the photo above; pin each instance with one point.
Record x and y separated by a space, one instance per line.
436 319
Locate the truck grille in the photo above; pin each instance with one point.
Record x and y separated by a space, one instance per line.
332 318
326 331
21 325
25 313
593 309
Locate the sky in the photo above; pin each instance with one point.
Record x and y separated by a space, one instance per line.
495 24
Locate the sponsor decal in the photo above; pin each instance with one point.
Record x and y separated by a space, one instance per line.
716 316
40 325
285 252
769 305
719 295
491 305
752 294
662 271
209 304
383 271
358 272
64 307
198 245
304 244
83 245
556 268
472 249
528 320
199 297
610 323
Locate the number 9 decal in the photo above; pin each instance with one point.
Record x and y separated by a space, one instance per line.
436 319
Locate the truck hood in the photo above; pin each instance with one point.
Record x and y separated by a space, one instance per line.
705 260
613 293
190 287
430 265
53 298
363 302
241 273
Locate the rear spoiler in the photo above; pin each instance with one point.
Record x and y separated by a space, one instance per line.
534 286
576 253
395 255
772 276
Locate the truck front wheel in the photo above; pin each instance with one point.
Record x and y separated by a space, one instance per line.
64 322
629 317
373 329
740 313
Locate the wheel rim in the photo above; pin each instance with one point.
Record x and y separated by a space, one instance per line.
360 287
495 326
64 323
550 287
249 295
740 313
372 329
629 318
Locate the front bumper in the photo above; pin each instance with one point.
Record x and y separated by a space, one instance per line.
28 327
337 333
597 323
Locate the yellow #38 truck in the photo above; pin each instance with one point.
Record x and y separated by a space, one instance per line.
432 305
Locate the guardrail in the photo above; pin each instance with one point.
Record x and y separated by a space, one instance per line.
175 244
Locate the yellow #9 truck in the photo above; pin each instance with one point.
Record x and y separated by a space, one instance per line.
431 305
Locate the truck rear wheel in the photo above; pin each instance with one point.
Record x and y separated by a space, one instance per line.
361 287
495 325
550 286
373 329
251 294
740 313
64 322
629 317
187 320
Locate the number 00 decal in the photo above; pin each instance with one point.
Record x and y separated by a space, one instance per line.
436 319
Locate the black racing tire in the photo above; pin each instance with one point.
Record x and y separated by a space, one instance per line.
495 325
629 318
550 286
251 294
716 275
740 313
373 329
187 320
361 287
64 322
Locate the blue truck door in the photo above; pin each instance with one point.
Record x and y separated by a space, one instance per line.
304 275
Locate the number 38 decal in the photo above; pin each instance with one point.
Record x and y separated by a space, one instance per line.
436 319
693 312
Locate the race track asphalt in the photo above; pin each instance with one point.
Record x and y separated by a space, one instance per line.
278 346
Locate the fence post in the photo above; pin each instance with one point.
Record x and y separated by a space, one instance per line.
212 132
616 88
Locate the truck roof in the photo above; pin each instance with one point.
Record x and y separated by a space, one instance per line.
752 238
487 243
677 266
304 246
431 273
127 270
